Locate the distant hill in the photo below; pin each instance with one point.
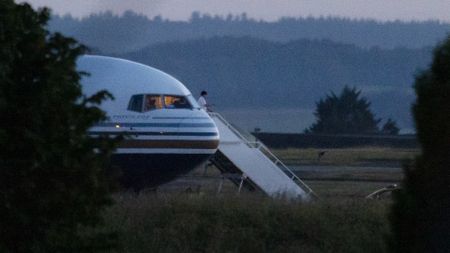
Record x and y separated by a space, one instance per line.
263 76
130 32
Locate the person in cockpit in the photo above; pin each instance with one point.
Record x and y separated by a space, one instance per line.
150 103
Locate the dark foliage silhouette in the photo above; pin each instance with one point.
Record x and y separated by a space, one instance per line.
347 113
421 212
53 186
390 127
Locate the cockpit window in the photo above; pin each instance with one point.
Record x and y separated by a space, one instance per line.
152 102
135 103
148 102
176 102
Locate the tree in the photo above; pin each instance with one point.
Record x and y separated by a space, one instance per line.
421 212
53 186
390 127
344 114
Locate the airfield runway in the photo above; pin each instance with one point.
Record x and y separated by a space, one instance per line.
326 180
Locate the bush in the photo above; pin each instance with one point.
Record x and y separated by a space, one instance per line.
421 214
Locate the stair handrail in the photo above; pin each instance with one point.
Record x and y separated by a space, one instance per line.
287 170
232 128
259 145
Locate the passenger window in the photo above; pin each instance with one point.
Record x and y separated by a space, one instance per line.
176 102
136 103
152 102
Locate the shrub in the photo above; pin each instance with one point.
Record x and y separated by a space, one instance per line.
421 214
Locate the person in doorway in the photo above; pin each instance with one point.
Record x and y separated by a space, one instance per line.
202 101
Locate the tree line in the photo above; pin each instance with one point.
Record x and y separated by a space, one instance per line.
111 33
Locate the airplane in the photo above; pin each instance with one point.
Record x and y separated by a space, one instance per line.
168 133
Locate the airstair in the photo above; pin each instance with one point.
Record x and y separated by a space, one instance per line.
257 166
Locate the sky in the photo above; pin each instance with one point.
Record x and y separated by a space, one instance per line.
270 10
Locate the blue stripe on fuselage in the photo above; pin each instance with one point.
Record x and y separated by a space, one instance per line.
108 124
157 133
180 118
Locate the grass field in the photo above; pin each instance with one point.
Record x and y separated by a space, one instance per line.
190 215
156 222
344 190
349 173
363 156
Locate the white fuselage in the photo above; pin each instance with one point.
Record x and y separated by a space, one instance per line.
166 131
